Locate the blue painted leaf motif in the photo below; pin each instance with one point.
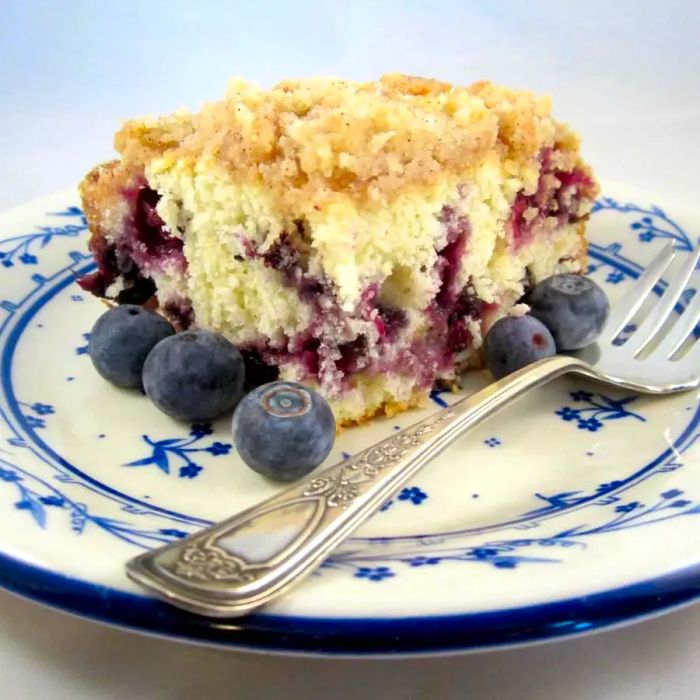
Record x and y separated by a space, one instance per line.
69 211
52 501
33 505
618 403
609 485
145 461
173 532
179 450
628 507
615 277
436 396
160 459
559 497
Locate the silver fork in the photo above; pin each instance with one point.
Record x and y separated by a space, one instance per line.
245 562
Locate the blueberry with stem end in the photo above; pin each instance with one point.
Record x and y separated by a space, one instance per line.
283 430
514 342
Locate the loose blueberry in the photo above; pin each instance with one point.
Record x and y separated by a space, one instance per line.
121 339
194 376
515 342
283 430
573 307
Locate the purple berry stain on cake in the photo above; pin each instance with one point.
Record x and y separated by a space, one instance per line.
450 257
145 233
180 312
558 194
389 321
330 353
452 306
105 257
145 246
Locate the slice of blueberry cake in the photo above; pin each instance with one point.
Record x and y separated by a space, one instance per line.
358 237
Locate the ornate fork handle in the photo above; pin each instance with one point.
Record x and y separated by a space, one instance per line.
238 565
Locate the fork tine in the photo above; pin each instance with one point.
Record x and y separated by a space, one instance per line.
681 330
631 302
691 359
663 309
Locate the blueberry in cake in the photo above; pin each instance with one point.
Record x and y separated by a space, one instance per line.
360 238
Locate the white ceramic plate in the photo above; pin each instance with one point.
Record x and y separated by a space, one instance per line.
577 509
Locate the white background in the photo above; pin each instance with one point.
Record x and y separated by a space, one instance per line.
625 74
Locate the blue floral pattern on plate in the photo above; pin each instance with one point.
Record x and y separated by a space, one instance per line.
164 452
596 410
649 223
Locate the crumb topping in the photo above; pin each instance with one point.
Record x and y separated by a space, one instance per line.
308 141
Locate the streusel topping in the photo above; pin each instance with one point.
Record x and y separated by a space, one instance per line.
306 140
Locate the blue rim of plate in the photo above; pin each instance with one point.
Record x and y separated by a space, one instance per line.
357 637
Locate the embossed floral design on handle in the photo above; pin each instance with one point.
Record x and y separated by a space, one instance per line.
345 484
245 562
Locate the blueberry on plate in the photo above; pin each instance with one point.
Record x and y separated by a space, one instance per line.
283 430
515 342
120 341
194 376
573 307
